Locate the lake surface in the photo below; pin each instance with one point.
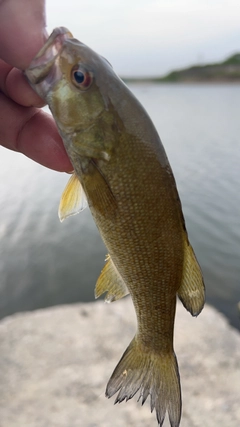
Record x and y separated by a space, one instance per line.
44 262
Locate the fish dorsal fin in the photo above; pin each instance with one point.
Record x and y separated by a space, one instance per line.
192 290
111 282
73 199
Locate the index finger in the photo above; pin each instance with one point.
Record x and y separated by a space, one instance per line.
22 31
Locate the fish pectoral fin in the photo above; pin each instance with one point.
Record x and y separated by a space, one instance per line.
152 374
192 289
73 199
111 282
99 192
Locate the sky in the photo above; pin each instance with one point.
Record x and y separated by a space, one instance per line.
151 37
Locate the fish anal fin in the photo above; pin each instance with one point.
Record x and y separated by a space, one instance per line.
73 199
111 282
192 289
152 374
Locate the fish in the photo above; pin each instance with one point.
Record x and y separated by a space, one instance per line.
121 171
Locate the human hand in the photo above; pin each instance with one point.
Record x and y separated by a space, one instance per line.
24 127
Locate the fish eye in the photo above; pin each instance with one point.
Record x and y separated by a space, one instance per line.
81 77
78 76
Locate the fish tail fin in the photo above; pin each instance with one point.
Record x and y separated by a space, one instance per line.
151 374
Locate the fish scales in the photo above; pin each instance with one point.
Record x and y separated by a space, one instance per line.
138 251
123 173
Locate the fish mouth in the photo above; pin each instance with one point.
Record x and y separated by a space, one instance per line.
42 66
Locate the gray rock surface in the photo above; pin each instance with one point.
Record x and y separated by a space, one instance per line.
55 363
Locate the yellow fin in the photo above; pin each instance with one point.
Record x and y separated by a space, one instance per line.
111 282
192 290
152 374
73 199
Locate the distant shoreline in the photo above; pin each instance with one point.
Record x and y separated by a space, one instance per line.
227 71
183 82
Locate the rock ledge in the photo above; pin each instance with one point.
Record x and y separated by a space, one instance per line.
55 363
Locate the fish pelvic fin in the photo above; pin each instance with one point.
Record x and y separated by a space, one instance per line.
192 289
151 374
73 199
111 282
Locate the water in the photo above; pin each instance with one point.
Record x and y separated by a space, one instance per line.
44 262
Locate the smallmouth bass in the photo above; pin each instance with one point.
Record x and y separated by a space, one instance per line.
122 172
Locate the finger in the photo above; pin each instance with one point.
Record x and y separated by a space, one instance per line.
15 86
20 91
22 30
32 132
